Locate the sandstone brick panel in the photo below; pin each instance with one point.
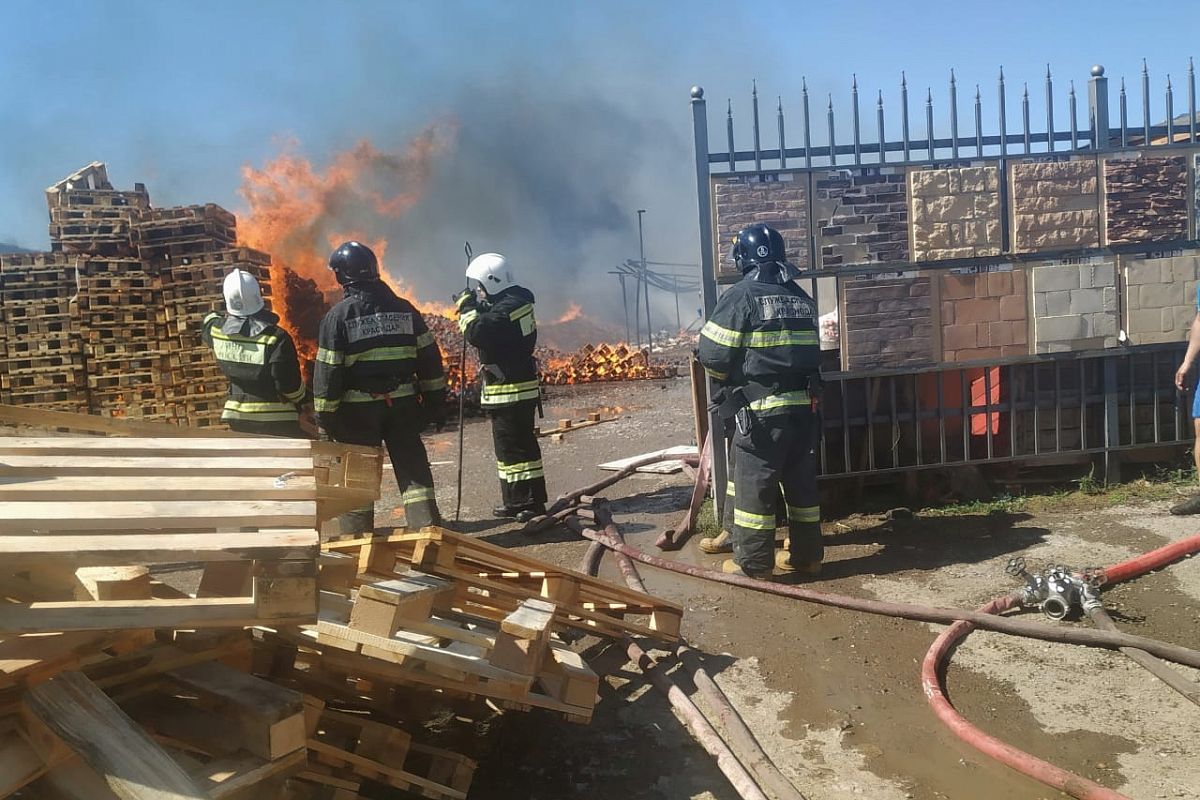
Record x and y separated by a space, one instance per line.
955 213
1055 206
1145 199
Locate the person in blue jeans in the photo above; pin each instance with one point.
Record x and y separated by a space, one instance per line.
1192 504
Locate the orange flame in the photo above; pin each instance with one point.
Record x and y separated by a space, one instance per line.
572 313
298 213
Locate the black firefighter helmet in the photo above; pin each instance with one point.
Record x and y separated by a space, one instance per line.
758 245
354 262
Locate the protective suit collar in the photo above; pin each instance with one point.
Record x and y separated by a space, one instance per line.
777 272
249 326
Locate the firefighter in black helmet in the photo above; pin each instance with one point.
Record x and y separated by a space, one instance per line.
378 377
760 345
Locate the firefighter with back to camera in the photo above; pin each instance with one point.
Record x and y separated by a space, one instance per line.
761 347
258 358
496 317
378 377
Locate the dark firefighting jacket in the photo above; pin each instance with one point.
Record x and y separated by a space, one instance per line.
374 347
762 336
259 359
505 333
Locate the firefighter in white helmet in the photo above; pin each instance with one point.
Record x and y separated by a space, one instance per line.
496 317
258 358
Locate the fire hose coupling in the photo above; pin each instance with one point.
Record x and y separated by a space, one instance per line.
1058 591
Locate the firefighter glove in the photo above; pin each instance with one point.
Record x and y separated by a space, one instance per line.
465 301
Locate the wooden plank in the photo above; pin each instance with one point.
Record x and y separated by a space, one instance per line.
114 465
43 418
127 515
375 770
225 777
158 487
159 548
271 717
530 621
213 612
133 766
176 447
20 763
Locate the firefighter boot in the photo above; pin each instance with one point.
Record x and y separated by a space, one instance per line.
730 567
721 543
785 565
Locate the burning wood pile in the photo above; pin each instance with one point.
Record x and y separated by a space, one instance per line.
603 362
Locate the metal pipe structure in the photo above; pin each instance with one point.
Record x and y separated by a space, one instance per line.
646 278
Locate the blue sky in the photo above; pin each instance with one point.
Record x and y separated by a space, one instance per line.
181 95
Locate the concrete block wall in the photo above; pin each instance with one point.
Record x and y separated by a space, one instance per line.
860 215
1145 199
955 213
781 202
1159 297
886 322
1074 305
1055 205
984 315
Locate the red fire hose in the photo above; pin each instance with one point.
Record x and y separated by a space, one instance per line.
939 654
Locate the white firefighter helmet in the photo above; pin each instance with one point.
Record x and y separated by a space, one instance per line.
243 298
492 272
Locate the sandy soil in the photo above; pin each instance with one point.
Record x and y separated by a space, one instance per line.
835 696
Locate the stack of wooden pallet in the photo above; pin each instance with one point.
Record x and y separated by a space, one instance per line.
41 354
167 237
87 215
172 629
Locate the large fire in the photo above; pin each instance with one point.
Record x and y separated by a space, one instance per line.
298 213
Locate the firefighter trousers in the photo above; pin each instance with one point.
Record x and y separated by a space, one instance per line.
778 450
518 455
289 428
398 427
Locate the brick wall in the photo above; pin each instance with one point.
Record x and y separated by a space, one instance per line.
886 322
955 213
781 202
861 215
1074 306
1160 297
1055 205
984 315
1145 199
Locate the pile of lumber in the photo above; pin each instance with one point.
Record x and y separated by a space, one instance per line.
172 625
110 320
604 362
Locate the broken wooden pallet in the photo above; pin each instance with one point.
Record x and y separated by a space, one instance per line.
492 581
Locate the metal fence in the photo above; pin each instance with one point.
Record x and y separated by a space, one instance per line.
898 420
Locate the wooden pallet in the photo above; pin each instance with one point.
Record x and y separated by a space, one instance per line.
492 581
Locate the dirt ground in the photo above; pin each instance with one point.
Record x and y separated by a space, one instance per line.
835 696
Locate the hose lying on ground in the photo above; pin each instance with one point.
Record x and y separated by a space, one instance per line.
1189 689
946 616
939 654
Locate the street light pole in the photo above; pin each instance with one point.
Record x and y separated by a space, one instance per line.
646 278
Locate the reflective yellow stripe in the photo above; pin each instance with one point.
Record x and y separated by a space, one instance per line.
266 338
296 396
781 338
356 396
729 488
259 410
424 340
398 353
323 404
804 513
433 384
721 376
522 471
239 352
211 316
505 393
758 522
722 336
799 397
521 311
331 357
466 319
418 493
